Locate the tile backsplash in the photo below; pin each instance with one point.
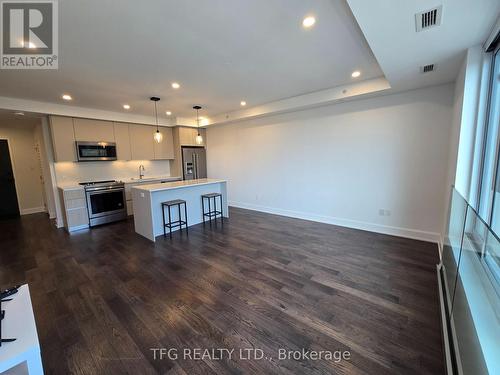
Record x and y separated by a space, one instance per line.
68 172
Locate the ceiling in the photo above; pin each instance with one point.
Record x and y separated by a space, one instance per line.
389 28
9 119
220 51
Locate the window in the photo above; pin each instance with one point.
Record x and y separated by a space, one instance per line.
494 122
489 199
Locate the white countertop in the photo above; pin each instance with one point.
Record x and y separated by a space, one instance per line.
127 180
70 186
134 180
176 184
19 323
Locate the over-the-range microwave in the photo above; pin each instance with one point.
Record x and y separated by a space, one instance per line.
95 151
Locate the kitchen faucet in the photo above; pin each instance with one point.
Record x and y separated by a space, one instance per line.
141 171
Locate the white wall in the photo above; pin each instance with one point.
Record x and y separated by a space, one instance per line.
51 184
45 167
27 170
341 164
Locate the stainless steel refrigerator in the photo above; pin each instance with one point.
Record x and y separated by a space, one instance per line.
194 163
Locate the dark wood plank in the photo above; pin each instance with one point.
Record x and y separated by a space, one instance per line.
104 298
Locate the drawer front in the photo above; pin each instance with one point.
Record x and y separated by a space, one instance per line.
77 217
74 194
75 203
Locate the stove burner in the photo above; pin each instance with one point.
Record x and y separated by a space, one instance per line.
91 183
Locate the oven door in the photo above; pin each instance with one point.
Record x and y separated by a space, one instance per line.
105 202
96 151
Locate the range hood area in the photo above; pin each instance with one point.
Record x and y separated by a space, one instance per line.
95 151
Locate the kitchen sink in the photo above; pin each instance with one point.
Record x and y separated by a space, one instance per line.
143 179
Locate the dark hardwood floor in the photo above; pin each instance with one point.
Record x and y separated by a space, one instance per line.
104 298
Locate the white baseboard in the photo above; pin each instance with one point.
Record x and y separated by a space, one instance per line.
440 248
34 210
370 227
77 228
59 223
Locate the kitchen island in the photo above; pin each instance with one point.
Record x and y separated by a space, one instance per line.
147 199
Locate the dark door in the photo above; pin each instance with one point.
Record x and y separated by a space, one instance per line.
8 197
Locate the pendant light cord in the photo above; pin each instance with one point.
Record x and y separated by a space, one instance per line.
156 116
198 120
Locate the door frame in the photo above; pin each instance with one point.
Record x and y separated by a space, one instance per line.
12 164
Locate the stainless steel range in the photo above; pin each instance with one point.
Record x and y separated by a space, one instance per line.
105 201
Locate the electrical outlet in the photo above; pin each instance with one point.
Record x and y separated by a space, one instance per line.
384 212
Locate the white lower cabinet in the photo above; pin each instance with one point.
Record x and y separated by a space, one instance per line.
75 204
130 207
76 216
128 190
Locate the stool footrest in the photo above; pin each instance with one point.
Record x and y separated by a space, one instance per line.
175 224
212 213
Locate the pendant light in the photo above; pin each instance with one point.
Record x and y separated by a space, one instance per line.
199 138
158 136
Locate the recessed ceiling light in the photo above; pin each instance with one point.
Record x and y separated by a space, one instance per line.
308 22
67 97
175 85
243 103
19 113
126 106
27 44
168 113
356 74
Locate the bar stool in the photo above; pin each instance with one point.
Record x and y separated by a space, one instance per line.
177 223
212 213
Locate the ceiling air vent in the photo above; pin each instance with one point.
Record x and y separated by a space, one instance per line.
429 18
427 68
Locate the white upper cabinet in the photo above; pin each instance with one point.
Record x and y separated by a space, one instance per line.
187 136
164 149
93 130
63 138
141 142
133 141
122 139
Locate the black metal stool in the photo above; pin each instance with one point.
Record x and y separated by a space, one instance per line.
177 223
212 213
